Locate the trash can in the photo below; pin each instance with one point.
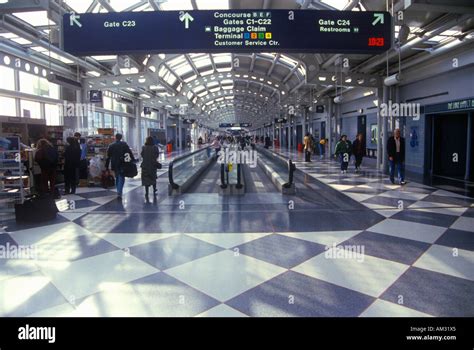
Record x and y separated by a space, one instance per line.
300 147
169 147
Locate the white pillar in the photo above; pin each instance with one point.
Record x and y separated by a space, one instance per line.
138 123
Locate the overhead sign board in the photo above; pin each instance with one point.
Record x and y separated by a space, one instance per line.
227 31
235 125
189 121
451 106
280 120
95 96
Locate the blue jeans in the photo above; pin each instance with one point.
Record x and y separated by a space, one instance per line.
321 150
400 170
119 183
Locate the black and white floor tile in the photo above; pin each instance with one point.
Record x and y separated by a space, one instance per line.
414 253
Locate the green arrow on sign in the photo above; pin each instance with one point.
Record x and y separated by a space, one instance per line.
379 17
186 18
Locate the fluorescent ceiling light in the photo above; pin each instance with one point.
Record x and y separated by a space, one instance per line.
105 57
8 35
132 70
94 73
21 41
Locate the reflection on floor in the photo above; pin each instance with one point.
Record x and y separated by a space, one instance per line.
344 245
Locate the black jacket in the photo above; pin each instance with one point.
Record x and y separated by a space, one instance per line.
47 158
116 153
392 149
72 157
358 148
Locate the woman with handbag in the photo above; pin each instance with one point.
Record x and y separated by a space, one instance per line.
149 165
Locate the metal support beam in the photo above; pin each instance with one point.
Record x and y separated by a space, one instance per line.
92 6
135 6
272 67
267 4
252 63
24 6
290 74
301 83
154 5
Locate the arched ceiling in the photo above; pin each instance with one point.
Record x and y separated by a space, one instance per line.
197 80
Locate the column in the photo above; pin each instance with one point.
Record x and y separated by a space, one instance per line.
303 125
138 123
329 127
379 95
384 121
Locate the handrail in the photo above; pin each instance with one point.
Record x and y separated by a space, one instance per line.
290 165
223 182
239 177
291 170
225 176
173 184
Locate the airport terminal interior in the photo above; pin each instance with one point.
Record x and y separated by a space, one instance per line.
312 158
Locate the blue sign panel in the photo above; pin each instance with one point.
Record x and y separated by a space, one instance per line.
450 106
235 125
95 96
227 31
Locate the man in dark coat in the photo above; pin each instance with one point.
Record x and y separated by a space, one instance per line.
358 149
118 153
396 156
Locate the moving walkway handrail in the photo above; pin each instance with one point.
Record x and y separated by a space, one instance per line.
173 184
225 179
290 165
291 170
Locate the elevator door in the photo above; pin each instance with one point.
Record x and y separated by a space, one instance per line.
449 145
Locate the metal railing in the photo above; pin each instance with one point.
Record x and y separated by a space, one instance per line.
226 176
181 160
284 163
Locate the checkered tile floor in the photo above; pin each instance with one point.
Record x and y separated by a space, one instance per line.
414 253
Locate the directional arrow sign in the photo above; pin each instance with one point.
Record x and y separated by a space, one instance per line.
73 19
378 18
186 18
128 33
